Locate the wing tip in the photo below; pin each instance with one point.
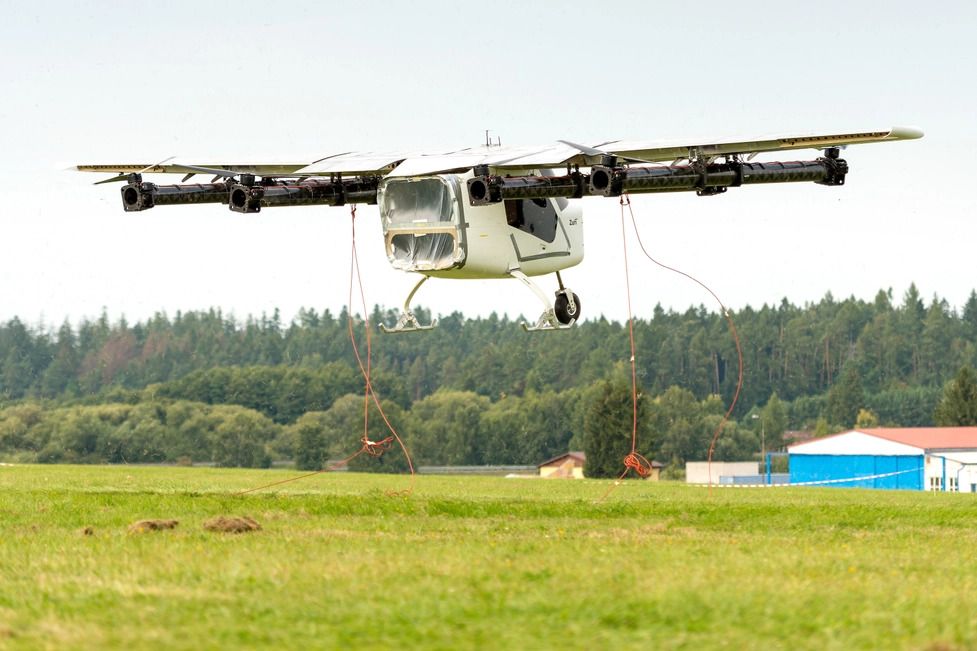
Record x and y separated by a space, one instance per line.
905 133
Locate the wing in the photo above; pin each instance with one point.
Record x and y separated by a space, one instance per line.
347 163
658 152
554 155
122 170
566 153
362 163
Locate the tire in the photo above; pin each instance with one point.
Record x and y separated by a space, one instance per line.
562 309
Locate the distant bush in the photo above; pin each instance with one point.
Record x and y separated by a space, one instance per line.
149 432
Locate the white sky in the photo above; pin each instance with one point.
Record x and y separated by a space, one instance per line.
133 82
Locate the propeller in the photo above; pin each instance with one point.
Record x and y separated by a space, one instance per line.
216 171
125 176
590 151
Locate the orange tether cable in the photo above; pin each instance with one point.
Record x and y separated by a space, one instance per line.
372 448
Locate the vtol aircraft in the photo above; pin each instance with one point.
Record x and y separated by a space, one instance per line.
492 211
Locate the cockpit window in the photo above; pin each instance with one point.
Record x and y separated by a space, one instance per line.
413 202
419 224
534 216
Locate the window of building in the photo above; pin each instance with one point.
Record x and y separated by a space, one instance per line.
951 484
936 483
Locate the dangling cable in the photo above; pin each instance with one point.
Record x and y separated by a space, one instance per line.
354 271
626 201
372 448
330 468
633 460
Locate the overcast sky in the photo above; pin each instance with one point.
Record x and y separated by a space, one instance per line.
132 82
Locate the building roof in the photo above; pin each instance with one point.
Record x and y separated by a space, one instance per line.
795 436
582 457
928 438
920 438
576 456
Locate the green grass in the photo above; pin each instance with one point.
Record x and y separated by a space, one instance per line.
477 563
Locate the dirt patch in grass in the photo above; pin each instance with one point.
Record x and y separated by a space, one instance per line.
88 531
280 515
144 526
232 524
657 529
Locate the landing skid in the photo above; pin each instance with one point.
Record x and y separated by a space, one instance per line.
407 322
548 320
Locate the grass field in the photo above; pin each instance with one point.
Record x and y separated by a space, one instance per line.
477 563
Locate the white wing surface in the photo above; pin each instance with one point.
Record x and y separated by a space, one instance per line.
258 169
554 155
657 152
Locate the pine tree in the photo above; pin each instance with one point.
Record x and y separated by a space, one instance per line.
845 398
607 428
959 403
970 315
773 420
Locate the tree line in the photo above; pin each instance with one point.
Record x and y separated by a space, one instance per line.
472 390
447 427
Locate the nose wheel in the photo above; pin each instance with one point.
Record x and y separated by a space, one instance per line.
566 307
564 312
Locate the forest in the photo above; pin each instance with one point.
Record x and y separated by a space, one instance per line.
204 387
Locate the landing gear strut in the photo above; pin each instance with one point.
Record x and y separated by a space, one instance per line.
407 321
561 316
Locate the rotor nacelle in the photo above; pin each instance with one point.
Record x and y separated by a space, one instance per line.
245 197
135 197
139 195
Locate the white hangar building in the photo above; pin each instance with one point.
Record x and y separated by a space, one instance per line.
912 458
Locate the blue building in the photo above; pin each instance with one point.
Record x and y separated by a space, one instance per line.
913 458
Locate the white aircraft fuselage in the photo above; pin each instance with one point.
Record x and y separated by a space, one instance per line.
431 228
